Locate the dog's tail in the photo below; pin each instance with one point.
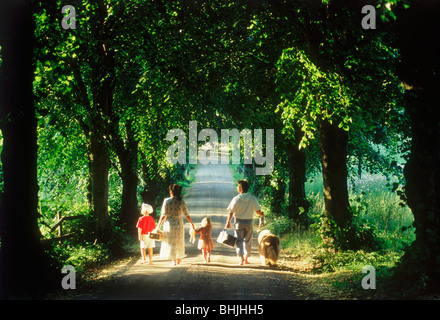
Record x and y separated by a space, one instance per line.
271 254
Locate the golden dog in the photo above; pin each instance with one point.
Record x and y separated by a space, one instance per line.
269 247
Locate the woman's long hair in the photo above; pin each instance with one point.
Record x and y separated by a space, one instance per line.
176 191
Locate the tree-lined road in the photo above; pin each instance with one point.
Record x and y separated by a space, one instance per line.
221 279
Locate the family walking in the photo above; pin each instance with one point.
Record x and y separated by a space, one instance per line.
174 208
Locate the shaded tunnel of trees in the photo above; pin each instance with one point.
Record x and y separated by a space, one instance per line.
92 106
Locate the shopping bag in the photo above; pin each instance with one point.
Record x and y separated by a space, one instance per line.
226 239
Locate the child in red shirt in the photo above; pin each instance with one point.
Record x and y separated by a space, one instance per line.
145 225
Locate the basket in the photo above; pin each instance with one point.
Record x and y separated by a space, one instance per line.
156 235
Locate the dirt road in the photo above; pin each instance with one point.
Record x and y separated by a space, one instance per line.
222 279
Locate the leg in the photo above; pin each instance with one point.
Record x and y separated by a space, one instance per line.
150 254
142 247
239 233
143 254
248 232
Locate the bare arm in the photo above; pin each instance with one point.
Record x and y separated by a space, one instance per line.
186 214
228 222
161 220
190 221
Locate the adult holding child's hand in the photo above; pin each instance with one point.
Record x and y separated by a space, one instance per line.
173 242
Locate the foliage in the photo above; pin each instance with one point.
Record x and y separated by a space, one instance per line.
81 256
134 70
321 95
62 175
376 208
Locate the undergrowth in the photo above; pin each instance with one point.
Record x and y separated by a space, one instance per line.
376 209
82 251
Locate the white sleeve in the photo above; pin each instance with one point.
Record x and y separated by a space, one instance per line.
231 206
256 204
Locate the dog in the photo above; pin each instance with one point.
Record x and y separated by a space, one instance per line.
269 247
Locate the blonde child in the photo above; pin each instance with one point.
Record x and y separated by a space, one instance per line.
205 242
145 225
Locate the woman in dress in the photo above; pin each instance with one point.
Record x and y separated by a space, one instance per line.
173 242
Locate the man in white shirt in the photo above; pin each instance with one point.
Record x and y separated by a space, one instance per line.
242 207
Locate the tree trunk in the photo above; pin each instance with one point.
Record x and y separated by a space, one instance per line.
422 174
420 72
129 206
95 131
20 234
100 165
334 143
297 179
279 195
103 75
128 158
